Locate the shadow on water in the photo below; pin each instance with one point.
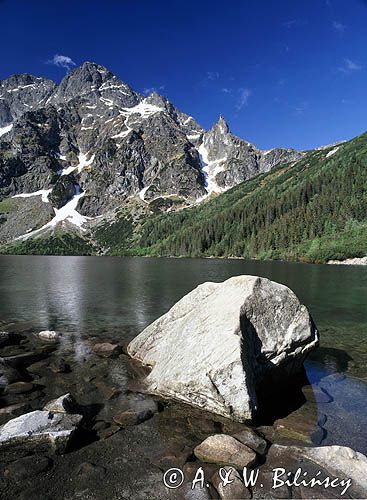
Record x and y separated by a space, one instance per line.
337 360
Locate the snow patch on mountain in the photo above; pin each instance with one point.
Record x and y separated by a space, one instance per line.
144 109
210 169
142 192
83 162
5 130
42 192
332 152
66 213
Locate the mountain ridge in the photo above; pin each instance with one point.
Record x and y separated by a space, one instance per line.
90 166
87 145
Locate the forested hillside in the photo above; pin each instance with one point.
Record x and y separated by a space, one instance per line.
314 210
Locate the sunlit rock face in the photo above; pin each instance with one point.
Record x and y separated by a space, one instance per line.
215 345
115 144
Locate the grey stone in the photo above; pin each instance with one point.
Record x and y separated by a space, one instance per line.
214 345
37 431
252 440
233 490
333 461
63 404
27 467
224 450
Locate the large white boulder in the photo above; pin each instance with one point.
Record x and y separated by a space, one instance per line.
211 348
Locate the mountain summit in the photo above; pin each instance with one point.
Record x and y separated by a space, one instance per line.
84 149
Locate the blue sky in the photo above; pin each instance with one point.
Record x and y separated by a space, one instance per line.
283 73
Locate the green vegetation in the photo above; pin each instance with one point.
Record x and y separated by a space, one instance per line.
313 211
116 238
6 205
63 244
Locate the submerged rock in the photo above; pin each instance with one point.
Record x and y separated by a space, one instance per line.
140 408
26 358
48 335
225 450
107 350
63 404
217 343
60 366
7 338
27 467
37 431
13 410
8 375
18 388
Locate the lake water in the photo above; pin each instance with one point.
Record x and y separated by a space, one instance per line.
115 298
84 295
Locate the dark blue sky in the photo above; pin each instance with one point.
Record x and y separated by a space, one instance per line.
283 73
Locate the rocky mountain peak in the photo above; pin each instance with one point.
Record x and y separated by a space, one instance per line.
91 143
158 100
222 125
86 78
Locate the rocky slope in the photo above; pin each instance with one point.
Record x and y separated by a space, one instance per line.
84 147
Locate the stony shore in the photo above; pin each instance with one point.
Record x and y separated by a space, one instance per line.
125 441
357 261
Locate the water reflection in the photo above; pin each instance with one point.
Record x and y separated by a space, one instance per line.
343 416
115 298
84 296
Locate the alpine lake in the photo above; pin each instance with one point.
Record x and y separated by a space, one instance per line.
91 300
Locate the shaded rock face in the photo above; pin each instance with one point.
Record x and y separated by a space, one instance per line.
215 345
62 191
116 143
21 93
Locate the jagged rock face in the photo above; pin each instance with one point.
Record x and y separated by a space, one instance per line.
26 160
228 160
116 143
22 93
63 191
94 81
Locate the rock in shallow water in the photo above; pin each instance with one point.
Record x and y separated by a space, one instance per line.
225 450
63 404
107 350
37 431
48 335
214 346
